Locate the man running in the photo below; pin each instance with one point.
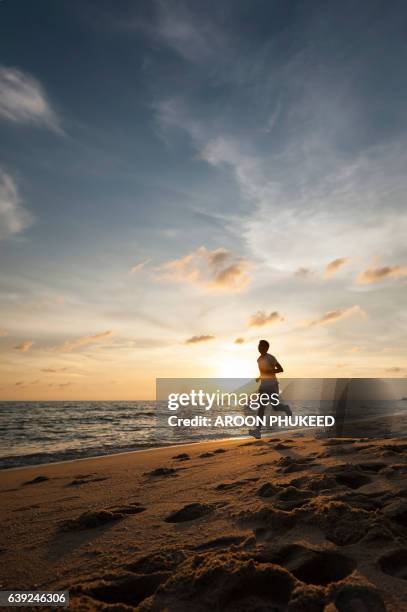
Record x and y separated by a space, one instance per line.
268 367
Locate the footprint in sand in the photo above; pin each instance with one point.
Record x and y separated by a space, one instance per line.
226 583
318 567
397 511
190 512
291 497
395 563
77 482
206 455
397 448
267 490
350 597
349 475
222 542
283 446
163 561
394 471
162 471
182 457
237 484
130 589
318 482
339 441
35 480
287 465
97 518
370 466
361 501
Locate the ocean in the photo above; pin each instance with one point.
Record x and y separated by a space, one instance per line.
44 432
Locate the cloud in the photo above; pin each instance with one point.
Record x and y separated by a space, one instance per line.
336 315
3 333
139 266
13 216
217 270
232 278
195 40
24 384
217 257
374 275
60 385
226 151
334 266
72 345
307 199
24 346
329 203
394 370
261 319
197 339
239 341
53 370
23 99
302 272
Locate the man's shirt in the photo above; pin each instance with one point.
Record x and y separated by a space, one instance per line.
267 363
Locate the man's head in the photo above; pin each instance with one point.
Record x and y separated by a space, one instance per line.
263 347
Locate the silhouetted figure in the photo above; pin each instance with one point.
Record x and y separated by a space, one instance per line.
268 367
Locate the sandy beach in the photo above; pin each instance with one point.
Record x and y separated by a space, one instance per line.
289 523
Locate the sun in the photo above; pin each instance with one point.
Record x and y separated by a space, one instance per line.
233 366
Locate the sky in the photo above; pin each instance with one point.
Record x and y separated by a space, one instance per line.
179 179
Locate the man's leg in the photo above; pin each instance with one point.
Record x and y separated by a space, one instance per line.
281 407
256 431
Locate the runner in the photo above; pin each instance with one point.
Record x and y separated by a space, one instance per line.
268 367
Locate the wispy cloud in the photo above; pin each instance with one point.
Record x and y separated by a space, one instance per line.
23 99
24 384
217 270
13 216
332 316
195 40
262 319
223 150
239 341
374 275
198 339
334 266
53 370
3 333
73 345
139 266
24 346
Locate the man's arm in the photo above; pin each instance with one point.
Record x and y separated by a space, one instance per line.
278 368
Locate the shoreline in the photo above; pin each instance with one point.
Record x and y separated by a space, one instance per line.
128 452
397 432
